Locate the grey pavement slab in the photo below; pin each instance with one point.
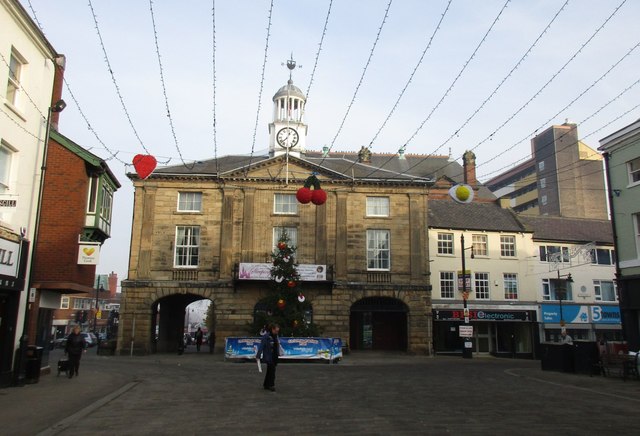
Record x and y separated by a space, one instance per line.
366 393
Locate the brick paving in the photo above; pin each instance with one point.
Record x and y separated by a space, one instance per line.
366 393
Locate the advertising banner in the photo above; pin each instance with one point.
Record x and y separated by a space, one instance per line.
291 348
571 313
605 314
483 315
262 271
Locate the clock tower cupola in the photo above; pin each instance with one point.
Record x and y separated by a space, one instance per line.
287 131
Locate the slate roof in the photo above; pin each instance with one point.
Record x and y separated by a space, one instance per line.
575 230
448 214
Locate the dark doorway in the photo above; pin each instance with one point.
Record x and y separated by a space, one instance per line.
378 323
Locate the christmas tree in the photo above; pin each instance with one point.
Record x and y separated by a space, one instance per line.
285 305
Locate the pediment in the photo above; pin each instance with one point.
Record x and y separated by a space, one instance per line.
276 169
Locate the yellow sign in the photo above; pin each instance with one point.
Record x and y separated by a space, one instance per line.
99 314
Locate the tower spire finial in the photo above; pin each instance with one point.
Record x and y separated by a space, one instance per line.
291 64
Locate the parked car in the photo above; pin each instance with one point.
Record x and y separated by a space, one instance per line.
59 343
90 339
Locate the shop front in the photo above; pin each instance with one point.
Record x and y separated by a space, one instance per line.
583 322
12 274
505 333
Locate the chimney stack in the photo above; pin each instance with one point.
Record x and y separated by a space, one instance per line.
469 165
58 80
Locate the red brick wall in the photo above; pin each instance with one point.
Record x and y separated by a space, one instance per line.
62 219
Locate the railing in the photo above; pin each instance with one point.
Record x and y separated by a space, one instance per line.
378 277
185 274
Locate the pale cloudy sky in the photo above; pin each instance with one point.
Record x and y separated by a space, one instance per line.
437 111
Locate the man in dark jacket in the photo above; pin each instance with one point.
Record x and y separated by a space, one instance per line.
268 352
76 345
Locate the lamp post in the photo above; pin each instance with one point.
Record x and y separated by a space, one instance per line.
467 350
95 315
560 292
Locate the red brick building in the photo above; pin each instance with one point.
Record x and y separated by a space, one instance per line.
74 221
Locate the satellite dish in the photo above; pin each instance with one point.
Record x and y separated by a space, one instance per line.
461 193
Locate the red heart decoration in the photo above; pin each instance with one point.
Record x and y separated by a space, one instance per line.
144 165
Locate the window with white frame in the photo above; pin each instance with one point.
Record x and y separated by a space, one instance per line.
507 246
82 303
636 225
541 165
64 302
551 253
543 200
634 170
510 286
481 286
189 201
543 183
605 290
556 289
285 204
6 157
92 200
106 208
479 245
16 65
291 233
378 250
603 256
377 206
447 288
187 251
445 243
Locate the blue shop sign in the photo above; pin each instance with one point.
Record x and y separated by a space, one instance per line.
581 314
605 314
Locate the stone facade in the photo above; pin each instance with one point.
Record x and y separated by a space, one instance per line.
236 222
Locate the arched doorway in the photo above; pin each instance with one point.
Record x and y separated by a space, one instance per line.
378 323
175 320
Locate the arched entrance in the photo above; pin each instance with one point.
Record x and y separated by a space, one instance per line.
174 321
378 323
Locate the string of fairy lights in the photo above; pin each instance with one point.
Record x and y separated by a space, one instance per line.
114 154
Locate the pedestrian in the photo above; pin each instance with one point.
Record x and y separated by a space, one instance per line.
565 338
76 345
268 353
199 336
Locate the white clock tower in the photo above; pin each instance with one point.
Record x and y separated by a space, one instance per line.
287 132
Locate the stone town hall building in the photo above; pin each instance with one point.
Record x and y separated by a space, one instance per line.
195 228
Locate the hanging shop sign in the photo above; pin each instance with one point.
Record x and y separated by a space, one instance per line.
262 271
88 253
9 253
483 315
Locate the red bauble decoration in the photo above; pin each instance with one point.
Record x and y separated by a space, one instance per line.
304 195
282 245
281 304
291 284
144 165
318 197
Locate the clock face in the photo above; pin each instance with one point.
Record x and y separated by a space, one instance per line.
287 137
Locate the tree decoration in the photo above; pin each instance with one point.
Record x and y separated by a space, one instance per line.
285 303
316 195
144 165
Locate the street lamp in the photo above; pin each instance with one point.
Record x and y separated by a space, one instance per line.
467 350
561 292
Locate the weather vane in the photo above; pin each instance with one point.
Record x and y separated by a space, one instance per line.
291 64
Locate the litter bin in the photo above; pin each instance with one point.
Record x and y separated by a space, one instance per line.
34 362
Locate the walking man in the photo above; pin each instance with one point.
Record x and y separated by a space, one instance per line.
268 352
76 345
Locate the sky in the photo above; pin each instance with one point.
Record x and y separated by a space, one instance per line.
437 77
